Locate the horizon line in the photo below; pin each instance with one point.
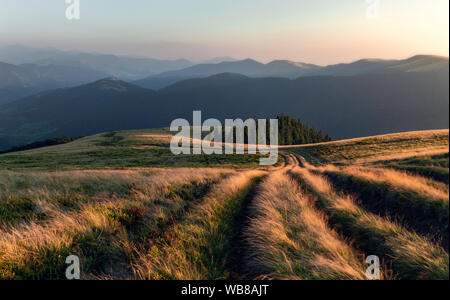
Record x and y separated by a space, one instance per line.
205 61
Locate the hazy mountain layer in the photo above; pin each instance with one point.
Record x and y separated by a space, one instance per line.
126 68
23 80
248 67
288 69
343 107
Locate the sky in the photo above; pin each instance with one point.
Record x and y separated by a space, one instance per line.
315 31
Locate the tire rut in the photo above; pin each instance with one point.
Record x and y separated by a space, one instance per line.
239 267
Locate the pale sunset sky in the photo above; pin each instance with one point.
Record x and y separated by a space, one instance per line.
315 31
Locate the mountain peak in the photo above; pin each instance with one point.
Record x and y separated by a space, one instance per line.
292 64
248 60
218 60
111 83
227 76
111 79
427 57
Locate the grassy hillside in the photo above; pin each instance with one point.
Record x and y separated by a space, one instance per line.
125 149
131 210
382 148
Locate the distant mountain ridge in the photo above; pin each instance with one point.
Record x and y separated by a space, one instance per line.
27 79
218 60
342 106
418 63
288 69
247 67
126 68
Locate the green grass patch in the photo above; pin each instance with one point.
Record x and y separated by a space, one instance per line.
16 209
119 150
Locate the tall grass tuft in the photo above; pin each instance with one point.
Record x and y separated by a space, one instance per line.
198 248
290 239
419 203
102 227
412 256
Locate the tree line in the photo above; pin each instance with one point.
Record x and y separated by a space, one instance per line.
294 132
290 132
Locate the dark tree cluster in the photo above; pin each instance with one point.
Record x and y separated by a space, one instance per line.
293 132
290 132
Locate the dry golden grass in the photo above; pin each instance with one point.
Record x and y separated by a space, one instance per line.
289 238
166 139
198 247
25 243
403 154
413 256
159 138
383 137
180 223
376 148
102 184
420 204
399 180
47 184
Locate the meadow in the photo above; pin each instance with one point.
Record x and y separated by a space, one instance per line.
131 210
